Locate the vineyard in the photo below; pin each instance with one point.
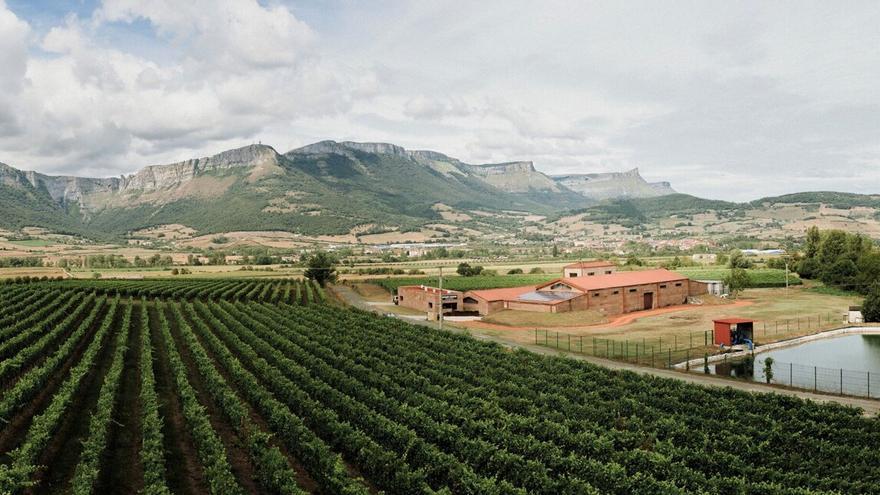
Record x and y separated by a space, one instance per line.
158 388
284 290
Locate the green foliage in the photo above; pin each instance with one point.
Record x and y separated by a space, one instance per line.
738 260
515 271
840 259
466 283
768 369
737 280
321 268
411 410
466 270
871 306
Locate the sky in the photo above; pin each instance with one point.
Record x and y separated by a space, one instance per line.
726 100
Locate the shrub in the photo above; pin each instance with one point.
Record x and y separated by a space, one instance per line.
514 271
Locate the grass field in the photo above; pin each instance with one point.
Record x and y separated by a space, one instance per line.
760 277
33 243
118 394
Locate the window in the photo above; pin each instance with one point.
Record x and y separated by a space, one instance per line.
591 274
400 298
662 286
616 292
633 290
470 300
607 272
430 305
595 294
572 274
678 284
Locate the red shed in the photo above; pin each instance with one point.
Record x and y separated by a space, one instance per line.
734 331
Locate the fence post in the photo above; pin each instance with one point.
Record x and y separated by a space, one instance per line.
557 340
815 380
705 338
869 384
790 374
606 348
675 341
841 381
669 360
652 356
625 349
691 337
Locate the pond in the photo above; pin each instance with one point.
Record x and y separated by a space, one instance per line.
849 364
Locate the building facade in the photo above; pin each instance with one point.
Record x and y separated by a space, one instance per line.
588 269
429 300
612 294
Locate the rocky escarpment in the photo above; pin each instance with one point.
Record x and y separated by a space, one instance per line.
157 177
69 190
614 185
515 177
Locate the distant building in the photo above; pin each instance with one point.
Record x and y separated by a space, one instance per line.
610 294
854 315
588 269
430 300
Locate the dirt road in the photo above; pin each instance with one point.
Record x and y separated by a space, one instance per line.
870 407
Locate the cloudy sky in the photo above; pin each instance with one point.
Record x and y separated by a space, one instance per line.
732 100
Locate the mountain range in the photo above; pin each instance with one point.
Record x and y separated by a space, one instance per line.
335 188
323 188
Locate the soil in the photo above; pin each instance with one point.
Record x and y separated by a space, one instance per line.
236 449
15 431
121 467
303 479
184 474
63 452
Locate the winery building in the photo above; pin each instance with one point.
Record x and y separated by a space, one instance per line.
588 269
611 294
429 299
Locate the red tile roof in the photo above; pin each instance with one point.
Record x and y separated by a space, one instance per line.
506 294
619 279
590 264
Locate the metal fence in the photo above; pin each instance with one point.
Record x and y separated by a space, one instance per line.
815 378
665 352
657 352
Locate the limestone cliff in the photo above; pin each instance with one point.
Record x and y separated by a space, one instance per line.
614 185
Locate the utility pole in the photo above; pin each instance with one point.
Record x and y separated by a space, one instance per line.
441 297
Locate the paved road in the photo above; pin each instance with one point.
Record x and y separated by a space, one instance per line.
871 407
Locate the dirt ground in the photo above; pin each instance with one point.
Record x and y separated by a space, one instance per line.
773 309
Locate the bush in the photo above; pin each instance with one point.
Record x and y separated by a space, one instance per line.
536 270
871 306
514 271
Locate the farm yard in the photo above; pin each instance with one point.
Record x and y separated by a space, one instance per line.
115 388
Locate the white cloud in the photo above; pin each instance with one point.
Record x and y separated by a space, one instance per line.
705 95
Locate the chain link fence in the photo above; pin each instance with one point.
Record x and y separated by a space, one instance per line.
664 352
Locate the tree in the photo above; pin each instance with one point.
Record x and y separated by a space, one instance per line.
768 369
555 250
321 268
466 270
871 306
841 273
738 260
737 280
814 240
833 247
808 268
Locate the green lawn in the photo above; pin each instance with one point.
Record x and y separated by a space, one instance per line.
33 243
761 277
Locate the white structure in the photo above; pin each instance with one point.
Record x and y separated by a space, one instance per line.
715 287
854 315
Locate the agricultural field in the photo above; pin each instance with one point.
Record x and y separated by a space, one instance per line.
467 283
120 389
760 277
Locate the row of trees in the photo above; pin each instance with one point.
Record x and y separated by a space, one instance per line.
840 259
